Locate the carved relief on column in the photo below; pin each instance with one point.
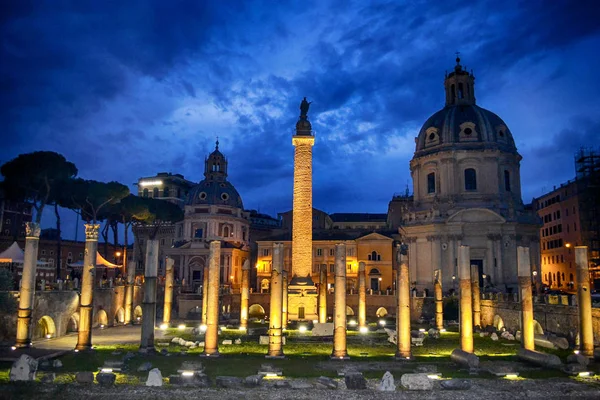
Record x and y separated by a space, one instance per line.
33 230
91 232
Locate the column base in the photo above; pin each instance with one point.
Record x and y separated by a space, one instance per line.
23 345
147 350
83 348
281 357
339 358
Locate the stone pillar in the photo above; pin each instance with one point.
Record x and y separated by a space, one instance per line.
524 270
466 311
323 294
27 290
86 300
245 295
302 202
339 328
149 300
476 295
584 302
439 300
275 330
211 337
403 309
205 284
362 295
284 304
130 284
169 278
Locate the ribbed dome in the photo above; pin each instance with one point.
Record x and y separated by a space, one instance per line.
211 192
465 126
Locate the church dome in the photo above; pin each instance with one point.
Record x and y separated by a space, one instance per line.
461 124
210 192
215 189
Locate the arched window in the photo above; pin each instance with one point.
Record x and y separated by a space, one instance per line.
506 180
470 179
461 92
431 183
145 192
225 231
155 192
453 93
166 192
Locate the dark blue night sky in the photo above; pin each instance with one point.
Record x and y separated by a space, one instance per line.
127 89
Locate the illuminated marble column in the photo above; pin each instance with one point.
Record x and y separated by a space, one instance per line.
130 284
323 294
169 279
205 277
86 300
302 214
466 311
362 295
284 304
211 337
27 290
476 295
439 300
275 329
524 271
339 329
403 308
149 300
584 302
245 295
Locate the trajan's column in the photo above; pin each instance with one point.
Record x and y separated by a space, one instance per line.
302 292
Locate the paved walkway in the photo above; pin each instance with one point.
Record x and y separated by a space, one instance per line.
108 336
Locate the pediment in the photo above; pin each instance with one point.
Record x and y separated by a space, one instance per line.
374 236
476 216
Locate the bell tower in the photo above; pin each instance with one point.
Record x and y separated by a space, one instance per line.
215 165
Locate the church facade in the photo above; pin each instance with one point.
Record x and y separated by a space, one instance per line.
466 191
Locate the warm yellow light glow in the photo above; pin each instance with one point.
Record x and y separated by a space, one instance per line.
382 322
181 327
302 329
511 376
380 279
443 330
13 347
202 328
76 351
364 329
231 277
151 183
567 245
164 326
576 352
101 326
271 374
421 329
352 322
584 374
48 336
187 373
315 321
106 370
242 328
118 254
435 376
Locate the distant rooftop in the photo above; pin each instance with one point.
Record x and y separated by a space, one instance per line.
358 217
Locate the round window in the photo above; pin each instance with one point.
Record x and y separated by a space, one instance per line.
432 136
468 131
222 185
202 195
224 196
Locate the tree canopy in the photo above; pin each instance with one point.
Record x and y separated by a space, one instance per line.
33 177
161 213
91 197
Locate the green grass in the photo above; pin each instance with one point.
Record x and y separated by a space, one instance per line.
305 357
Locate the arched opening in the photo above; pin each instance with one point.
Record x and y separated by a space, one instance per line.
45 328
349 311
155 192
264 286
431 182
498 322
381 312
102 318
226 232
537 328
120 316
73 324
256 311
166 192
137 313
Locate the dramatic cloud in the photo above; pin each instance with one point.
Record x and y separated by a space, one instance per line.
128 89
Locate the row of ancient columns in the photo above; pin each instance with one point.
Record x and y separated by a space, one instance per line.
470 313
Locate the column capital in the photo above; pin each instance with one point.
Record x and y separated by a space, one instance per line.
32 230
169 262
91 232
246 265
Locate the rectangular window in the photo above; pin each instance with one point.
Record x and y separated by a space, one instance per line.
558 214
574 226
567 212
507 181
265 252
319 252
431 183
331 268
331 252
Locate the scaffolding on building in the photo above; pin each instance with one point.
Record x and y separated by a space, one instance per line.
587 167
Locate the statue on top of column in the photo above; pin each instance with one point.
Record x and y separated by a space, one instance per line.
304 108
